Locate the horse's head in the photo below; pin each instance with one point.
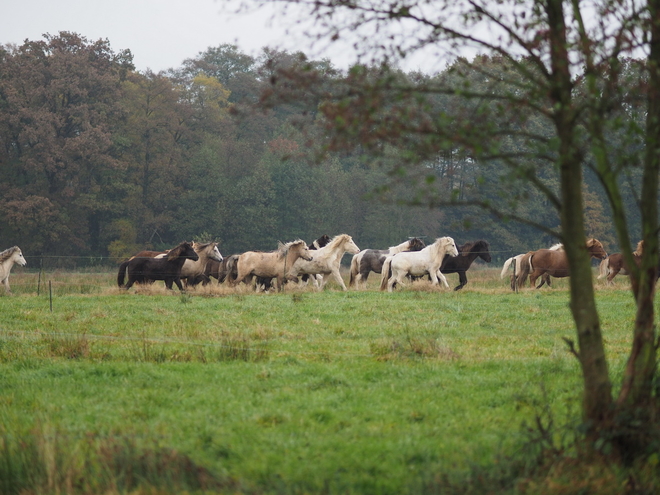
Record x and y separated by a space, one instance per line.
18 257
351 247
596 249
183 250
415 244
484 252
445 245
300 247
214 252
320 242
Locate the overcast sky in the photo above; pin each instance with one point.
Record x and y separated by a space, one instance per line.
159 33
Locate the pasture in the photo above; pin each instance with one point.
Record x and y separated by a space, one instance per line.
224 390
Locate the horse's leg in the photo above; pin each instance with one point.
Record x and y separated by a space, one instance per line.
5 282
340 281
462 280
613 273
177 281
542 281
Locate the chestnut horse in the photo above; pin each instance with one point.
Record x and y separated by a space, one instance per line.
517 261
555 263
615 264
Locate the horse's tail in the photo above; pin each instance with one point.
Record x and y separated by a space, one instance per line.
604 268
506 266
121 273
386 273
355 268
525 267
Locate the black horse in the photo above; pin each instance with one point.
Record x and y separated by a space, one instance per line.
467 253
168 268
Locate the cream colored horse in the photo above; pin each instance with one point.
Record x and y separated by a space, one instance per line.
418 264
325 261
277 264
7 259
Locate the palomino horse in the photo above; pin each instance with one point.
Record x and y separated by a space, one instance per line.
516 263
7 259
191 269
277 264
614 264
555 263
168 269
371 260
418 263
326 260
467 253
227 269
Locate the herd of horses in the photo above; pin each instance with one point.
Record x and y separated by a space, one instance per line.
296 262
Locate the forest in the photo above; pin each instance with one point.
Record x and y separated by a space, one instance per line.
98 161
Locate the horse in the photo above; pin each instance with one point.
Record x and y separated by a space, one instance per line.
467 253
192 271
326 260
227 269
7 259
555 263
418 263
168 268
516 263
614 264
277 264
372 260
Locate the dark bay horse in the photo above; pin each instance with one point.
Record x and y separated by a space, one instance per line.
555 263
467 253
168 268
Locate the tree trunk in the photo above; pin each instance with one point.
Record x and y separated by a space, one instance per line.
597 398
637 388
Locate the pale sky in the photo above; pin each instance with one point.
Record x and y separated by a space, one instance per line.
159 33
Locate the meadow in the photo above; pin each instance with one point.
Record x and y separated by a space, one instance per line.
224 390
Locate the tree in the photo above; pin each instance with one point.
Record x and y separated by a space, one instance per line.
540 104
58 97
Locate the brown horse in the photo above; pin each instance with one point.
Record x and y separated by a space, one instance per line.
615 264
168 269
277 264
555 263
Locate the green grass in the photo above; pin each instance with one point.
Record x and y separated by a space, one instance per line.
299 392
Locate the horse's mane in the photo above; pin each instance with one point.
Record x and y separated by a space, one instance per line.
7 253
557 247
468 247
176 252
336 240
640 248
283 248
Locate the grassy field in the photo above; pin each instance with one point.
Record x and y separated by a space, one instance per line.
225 390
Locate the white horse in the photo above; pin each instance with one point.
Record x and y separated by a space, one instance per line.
326 260
369 260
418 263
7 259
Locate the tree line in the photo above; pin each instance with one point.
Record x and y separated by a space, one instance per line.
100 160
